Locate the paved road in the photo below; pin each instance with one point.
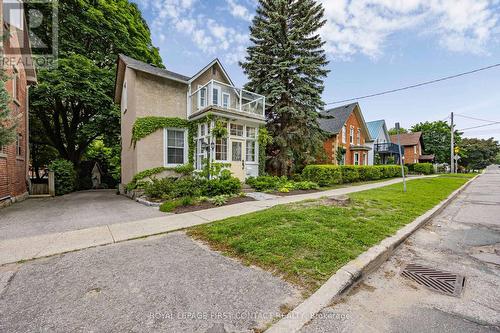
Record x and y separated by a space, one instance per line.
73 211
465 239
150 285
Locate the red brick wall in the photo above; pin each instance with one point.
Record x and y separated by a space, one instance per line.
331 144
13 167
410 155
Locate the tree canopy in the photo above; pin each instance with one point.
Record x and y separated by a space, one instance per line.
437 139
73 103
393 131
477 154
286 63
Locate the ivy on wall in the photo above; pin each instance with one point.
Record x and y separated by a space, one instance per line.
148 125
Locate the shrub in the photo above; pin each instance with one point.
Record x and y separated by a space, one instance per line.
169 206
323 175
423 168
367 172
185 169
268 183
305 185
171 188
350 173
219 200
215 187
64 176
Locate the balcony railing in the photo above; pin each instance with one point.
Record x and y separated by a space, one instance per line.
388 147
216 94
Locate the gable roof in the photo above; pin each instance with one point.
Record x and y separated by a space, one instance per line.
407 139
374 127
147 68
333 120
207 67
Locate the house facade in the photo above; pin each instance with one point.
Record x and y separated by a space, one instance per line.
349 139
192 109
15 50
383 151
413 145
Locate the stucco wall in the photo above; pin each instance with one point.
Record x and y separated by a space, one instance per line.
128 155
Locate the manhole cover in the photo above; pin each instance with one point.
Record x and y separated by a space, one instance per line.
440 281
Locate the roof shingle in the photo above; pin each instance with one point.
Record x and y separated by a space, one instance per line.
407 139
332 120
147 68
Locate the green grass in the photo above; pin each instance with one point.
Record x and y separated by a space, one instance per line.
307 242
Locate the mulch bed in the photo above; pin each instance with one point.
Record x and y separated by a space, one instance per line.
207 205
296 192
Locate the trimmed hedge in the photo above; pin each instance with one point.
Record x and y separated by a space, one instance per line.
328 174
423 168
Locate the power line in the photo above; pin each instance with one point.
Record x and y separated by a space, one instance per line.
488 121
415 85
468 128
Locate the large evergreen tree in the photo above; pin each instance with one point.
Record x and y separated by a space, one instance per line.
286 63
73 103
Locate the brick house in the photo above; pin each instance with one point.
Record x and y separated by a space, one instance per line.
413 145
14 158
348 135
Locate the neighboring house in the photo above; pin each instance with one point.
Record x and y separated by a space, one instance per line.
413 145
144 90
14 158
348 135
381 145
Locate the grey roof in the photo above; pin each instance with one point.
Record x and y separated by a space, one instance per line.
332 120
147 68
374 127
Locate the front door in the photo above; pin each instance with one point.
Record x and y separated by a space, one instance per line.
237 159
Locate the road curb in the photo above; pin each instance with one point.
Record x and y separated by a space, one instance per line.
354 271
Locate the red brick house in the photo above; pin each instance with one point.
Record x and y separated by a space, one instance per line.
348 135
14 158
413 145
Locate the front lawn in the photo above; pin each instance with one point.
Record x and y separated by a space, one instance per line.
307 242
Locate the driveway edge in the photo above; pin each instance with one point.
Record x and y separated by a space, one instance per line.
354 271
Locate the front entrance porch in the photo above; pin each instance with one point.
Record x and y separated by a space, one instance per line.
238 149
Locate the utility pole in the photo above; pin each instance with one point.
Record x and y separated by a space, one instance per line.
452 165
401 159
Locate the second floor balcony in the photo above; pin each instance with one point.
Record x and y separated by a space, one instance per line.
219 96
387 148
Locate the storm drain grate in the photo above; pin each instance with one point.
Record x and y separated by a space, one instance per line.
440 281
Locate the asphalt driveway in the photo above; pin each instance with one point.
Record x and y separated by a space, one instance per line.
167 283
73 211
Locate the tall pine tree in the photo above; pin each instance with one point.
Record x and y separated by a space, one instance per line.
286 63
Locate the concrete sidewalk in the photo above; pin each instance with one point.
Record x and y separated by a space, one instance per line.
14 250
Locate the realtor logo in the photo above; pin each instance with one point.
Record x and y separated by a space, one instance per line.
29 33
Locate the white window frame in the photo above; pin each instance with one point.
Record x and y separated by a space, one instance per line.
242 130
252 142
344 134
165 146
365 159
216 87
227 150
224 105
356 158
204 104
351 135
359 136
254 132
